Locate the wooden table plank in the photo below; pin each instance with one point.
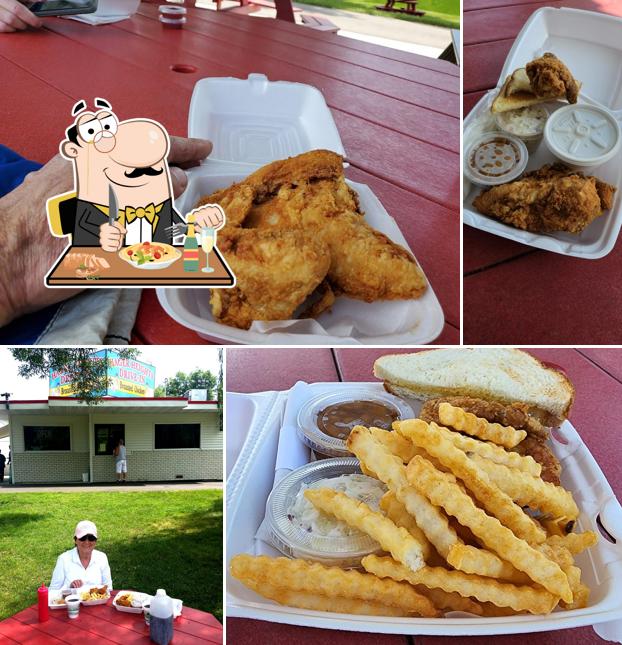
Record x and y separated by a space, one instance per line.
256 370
331 46
608 359
545 298
17 632
373 98
357 365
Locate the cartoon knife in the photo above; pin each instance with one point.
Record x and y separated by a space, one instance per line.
113 206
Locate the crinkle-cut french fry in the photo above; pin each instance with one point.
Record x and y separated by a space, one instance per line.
396 444
394 539
498 538
526 598
530 491
299 575
469 559
491 451
489 610
494 500
467 422
449 600
574 542
580 592
390 470
558 554
397 513
317 602
366 471
401 447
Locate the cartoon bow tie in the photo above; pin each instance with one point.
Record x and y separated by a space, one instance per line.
148 212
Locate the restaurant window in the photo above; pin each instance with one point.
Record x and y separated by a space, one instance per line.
169 436
38 438
107 437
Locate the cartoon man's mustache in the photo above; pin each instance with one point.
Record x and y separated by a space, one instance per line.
139 172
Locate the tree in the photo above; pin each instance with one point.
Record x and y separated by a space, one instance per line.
179 384
89 376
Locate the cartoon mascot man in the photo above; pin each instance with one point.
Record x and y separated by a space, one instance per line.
129 159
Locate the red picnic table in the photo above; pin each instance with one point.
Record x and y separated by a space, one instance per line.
514 293
597 377
397 113
104 624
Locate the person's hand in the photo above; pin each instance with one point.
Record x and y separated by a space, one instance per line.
28 248
14 16
76 583
111 236
185 153
209 215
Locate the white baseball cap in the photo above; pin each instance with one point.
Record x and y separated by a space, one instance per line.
85 528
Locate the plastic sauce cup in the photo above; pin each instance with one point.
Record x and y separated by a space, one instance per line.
526 123
174 17
495 158
583 136
73 606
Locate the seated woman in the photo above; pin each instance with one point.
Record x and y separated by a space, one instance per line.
82 565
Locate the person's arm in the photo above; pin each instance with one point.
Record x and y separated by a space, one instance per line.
58 577
28 248
105 572
14 17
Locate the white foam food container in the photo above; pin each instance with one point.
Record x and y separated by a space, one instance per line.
590 45
91 603
252 122
56 594
251 480
143 597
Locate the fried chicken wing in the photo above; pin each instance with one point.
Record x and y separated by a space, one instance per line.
537 448
275 272
554 198
308 193
549 77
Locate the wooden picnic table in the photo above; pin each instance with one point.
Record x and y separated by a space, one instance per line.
102 624
397 113
597 376
515 293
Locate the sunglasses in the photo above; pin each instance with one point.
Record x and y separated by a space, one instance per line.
89 537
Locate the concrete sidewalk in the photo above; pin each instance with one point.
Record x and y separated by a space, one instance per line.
137 487
426 40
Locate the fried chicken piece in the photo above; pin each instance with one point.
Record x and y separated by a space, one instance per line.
554 198
515 415
275 272
308 193
549 77
537 448
325 300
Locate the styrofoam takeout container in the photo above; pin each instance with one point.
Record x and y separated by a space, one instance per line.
144 597
251 480
252 122
585 41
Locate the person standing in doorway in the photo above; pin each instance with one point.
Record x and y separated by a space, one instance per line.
120 458
2 465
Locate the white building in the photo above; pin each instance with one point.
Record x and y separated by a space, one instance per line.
62 440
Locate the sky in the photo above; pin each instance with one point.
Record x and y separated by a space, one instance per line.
168 360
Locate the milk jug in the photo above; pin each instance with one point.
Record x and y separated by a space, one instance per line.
161 625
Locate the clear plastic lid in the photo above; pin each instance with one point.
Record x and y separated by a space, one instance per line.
294 541
495 158
583 134
311 435
527 123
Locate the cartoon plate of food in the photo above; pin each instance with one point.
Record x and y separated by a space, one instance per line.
150 255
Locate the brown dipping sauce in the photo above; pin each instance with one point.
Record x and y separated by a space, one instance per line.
339 419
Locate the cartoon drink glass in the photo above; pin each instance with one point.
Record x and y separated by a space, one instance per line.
208 242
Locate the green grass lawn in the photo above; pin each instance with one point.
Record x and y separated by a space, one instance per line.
153 539
445 13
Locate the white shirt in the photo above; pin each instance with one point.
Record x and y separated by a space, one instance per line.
140 230
69 568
